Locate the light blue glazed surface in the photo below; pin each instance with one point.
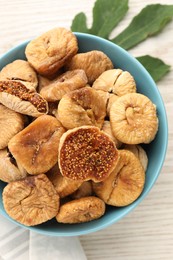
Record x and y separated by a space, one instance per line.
156 150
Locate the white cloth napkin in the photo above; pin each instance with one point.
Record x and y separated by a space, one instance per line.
17 243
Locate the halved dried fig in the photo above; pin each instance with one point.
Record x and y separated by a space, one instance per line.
64 186
20 70
81 210
38 144
68 81
31 201
107 129
82 107
116 81
133 119
50 51
139 152
11 123
86 153
9 169
84 190
125 183
19 98
94 63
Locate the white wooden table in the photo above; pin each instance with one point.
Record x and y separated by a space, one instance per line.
147 232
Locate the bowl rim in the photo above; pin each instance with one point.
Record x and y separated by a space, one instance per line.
160 164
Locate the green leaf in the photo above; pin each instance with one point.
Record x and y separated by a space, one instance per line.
151 20
79 23
148 22
156 67
106 15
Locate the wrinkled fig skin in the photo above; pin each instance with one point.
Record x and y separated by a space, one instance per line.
134 119
38 144
111 100
106 80
140 153
86 153
9 170
31 201
11 123
103 96
63 84
64 186
20 70
116 81
81 210
94 63
84 190
106 128
125 184
82 107
51 51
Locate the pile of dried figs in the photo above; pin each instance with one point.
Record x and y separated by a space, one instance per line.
71 126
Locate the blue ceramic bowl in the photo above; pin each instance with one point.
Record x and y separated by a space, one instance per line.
156 150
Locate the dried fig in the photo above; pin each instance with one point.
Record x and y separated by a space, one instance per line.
84 190
94 63
139 152
126 182
11 123
68 81
50 51
82 107
31 201
133 119
9 170
86 153
81 210
64 186
38 144
116 81
107 129
20 70
17 97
